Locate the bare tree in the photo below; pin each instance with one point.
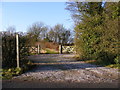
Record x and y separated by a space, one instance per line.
59 34
37 31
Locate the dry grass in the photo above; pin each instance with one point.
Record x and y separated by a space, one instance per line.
45 44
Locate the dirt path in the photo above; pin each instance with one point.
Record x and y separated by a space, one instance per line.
62 70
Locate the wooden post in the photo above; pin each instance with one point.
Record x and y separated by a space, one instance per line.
60 49
38 49
17 48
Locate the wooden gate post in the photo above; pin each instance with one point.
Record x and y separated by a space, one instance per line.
38 48
17 49
60 49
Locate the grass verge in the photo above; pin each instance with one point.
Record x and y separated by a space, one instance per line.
8 73
117 66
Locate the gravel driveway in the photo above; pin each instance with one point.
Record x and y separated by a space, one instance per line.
63 71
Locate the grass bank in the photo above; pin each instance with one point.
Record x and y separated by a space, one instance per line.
8 73
95 62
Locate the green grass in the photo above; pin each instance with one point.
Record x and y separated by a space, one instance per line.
95 62
117 66
48 51
8 73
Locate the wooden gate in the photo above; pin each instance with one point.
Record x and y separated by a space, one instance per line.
34 49
66 49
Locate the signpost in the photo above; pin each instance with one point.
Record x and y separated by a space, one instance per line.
17 49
